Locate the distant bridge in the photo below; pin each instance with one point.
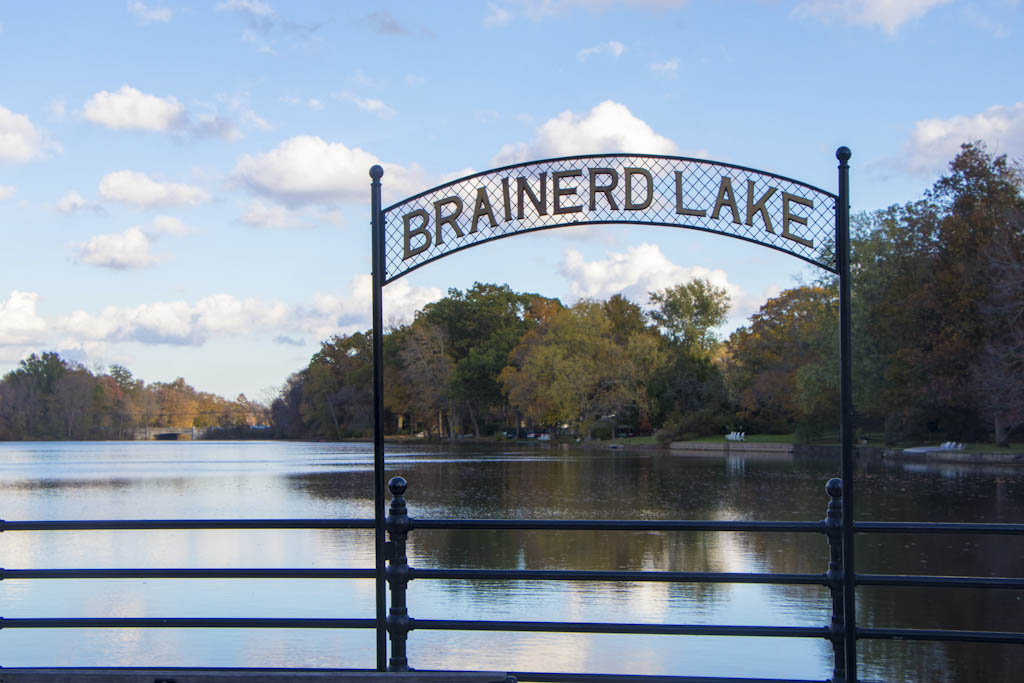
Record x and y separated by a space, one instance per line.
169 433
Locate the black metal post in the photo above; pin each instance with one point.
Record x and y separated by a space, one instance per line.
843 154
398 575
377 230
834 533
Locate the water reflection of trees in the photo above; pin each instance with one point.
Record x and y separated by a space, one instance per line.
577 485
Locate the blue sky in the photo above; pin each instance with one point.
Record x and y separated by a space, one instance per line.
184 188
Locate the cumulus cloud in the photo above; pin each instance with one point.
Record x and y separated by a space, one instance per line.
633 273
20 140
222 315
308 169
19 322
888 15
148 14
643 269
608 127
180 323
138 189
120 251
351 312
935 141
612 47
6 192
131 109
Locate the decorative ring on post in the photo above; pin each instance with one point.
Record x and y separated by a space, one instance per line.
398 623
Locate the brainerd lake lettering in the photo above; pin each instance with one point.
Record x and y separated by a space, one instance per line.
581 190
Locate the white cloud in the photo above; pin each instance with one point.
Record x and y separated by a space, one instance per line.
667 68
131 109
315 104
935 141
608 127
6 192
255 120
261 215
20 140
308 169
168 225
369 104
73 201
214 126
643 269
123 251
497 16
138 189
149 14
333 314
220 315
19 322
887 15
612 47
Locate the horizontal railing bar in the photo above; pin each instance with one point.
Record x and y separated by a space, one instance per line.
184 622
941 635
936 528
550 677
14 574
946 581
117 524
598 627
597 575
617 525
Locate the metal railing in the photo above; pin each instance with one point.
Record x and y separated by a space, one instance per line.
399 624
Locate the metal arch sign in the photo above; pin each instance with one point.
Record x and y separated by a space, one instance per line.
777 212
768 209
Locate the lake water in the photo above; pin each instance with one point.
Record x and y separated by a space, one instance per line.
122 480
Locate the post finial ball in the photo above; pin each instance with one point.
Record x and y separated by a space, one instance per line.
376 171
834 487
397 485
843 153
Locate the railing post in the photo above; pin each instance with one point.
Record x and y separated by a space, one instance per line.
834 532
397 573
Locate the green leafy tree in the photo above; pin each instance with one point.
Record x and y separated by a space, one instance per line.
689 312
572 371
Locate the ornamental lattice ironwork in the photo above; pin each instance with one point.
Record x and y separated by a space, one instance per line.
772 210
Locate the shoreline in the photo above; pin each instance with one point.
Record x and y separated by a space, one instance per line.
917 454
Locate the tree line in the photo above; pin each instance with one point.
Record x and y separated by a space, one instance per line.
938 332
48 397
938 328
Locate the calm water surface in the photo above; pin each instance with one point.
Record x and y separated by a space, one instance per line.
41 481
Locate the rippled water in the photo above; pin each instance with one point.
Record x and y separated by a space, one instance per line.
274 479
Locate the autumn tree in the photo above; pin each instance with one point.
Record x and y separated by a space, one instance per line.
573 371
764 359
